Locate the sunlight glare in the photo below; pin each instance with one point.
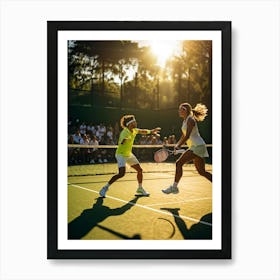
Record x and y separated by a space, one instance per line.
164 50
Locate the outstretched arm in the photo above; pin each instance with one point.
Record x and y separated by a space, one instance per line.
156 131
148 131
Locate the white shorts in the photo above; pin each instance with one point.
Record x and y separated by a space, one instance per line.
131 160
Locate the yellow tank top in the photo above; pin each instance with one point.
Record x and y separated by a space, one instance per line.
125 149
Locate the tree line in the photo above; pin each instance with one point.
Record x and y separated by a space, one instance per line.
128 74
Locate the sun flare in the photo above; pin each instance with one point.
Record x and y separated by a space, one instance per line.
164 50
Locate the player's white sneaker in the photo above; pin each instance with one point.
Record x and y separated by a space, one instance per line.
141 191
171 189
103 191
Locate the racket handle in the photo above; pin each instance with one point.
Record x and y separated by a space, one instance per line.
180 151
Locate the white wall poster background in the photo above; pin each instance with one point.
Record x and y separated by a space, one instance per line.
255 142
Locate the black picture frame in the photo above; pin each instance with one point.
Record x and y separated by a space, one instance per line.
53 28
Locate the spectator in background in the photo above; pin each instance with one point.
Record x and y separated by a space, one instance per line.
110 134
94 151
158 140
109 141
93 141
77 137
172 139
97 133
85 152
102 140
91 129
149 139
143 140
83 129
102 129
165 141
153 140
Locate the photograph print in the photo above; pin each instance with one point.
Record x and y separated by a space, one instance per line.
139 129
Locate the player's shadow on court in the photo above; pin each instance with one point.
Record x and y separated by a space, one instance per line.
90 218
201 230
121 235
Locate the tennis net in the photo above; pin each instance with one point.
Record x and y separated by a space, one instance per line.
91 160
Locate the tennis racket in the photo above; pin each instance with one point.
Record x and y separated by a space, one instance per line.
162 154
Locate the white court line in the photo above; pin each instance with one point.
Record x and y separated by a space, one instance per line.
145 207
182 201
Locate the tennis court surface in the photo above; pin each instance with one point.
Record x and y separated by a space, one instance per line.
122 215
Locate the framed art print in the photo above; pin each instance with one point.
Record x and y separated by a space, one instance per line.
123 98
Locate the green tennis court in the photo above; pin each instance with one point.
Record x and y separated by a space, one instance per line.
122 215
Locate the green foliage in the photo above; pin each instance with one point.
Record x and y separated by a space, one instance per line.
130 73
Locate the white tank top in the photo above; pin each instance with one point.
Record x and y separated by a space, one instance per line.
195 139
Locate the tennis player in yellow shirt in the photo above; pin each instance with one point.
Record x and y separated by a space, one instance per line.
124 153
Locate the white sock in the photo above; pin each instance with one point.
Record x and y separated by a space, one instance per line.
107 185
175 185
140 185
